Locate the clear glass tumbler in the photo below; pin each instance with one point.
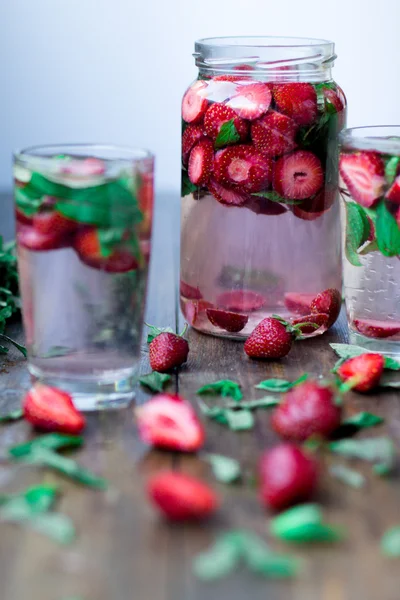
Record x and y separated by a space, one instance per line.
370 187
84 217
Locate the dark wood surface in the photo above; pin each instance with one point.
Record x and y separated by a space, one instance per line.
124 550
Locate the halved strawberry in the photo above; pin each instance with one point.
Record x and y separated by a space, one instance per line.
312 208
274 134
298 101
32 239
226 195
52 222
88 247
190 137
241 300
320 319
328 302
394 192
363 173
375 328
298 175
363 372
193 105
263 206
189 291
168 421
251 101
217 115
195 309
243 166
52 409
298 303
230 321
201 162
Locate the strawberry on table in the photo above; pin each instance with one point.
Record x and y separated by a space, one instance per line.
363 372
363 173
274 134
327 302
201 162
230 321
190 137
218 114
251 100
189 291
193 105
375 328
244 167
298 175
168 351
270 339
298 101
89 249
52 409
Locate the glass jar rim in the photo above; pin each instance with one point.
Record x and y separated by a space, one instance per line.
382 138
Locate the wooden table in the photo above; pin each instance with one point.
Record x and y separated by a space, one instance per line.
123 550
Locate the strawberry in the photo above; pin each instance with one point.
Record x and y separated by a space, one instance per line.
298 101
190 137
232 78
394 192
298 303
32 239
270 339
169 422
298 175
307 409
168 351
217 115
363 173
287 476
241 300
181 497
251 101
274 134
88 247
377 329
243 166
263 206
52 409
363 372
201 162
328 302
334 98
320 319
193 105
312 208
188 291
52 222
230 197
230 321
145 197
195 309
22 218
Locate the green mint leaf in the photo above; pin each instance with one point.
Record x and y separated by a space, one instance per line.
187 186
303 524
387 380
357 231
14 415
265 402
348 476
363 420
155 331
346 351
228 134
22 349
217 413
392 364
391 169
220 559
260 559
50 441
275 197
155 381
387 231
55 526
36 499
280 385
379 450
239 420
28 201
225 469
390 542
224 387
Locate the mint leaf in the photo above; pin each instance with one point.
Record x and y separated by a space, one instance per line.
391 169
155 331
50 441
155 381
357 231
224 387
14 415
390 542
387 381
19 347
275 197
220 559
228 134
266 402
217 413
379 450
387 231
392 364
348 476
55 526
260 559
303 524
187 187
280 385
363 420
225 469
346 351
239 420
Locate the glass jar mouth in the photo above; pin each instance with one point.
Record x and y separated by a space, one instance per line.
381 138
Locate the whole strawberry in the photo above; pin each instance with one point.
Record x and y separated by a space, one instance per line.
167 351
307 409
287 475
363 372
272 338
52 409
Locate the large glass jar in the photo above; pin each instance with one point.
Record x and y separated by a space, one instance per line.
260 231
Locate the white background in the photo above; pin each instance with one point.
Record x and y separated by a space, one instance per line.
115 70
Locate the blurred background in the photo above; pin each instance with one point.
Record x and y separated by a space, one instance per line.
115 71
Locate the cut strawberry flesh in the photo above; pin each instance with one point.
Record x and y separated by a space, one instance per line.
274 134
298 101
251 101
195 309
298 303
243 166
298 175
320 319
217 115
189 291
201 162
363 173
190 137
394 192
230 321
226 195
193 105
374 328
329 302
241 300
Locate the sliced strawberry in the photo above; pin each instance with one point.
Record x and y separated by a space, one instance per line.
298 175
195 309
52 222
87 246
52 409
241 300
364 372
217 115
30 238
189 291
332 97
298 303
169 422
394 192
274 134
230 321
193 105
201 162
243 166
374 328
251 101
22 218
328 302
320 319
263 206
312 208
227 196
298 101
190 137
363 173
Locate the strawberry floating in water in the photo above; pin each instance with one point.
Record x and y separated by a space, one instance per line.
298 303
363 173
190 137
32 239
189 291
201 162
228 196
168 351
363 372
195 309
394 192
52 409
307 323
230 321
298 175
241 300
89 249
193 105
243 166
298 101
375 328
52 222
274 134
219 114
251 101
327 302
312 208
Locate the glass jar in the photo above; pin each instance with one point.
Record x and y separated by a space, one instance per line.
260 229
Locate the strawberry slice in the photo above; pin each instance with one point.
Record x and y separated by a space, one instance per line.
243 166
52 409
52 222
190 137
169 422
32 239
298 303
320 319
394 192
298 175
189 291
312 208
201 162
230 321
363 173
87 246
298 101
193 105
274 134
328 302
374 328
195 309
364 371
217 115
227 196
241 300
251 101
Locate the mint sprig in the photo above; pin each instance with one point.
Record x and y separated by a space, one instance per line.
357 231
387 231
228 134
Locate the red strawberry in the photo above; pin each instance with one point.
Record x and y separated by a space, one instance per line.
88 247
307 409
193 105
274 134
270 339
363 173
298 175
397 217
52 222
251 101
320 319
376 329
189 291
332 97
232 78
229 321
217 115
226 195
51 409
394 192
243 166
298 101
287 476
363 371
313 208
263 206
328 302
22 217
194 309
201 162
181 497
169 422
241 300
298 303
30 238
145 196
168 351
190 137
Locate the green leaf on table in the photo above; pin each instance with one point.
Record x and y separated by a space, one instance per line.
187 186
224 387
224 468
14 415
390 542
155 331
363 420
279 385
239 420
265 402
387 231
260 559
357 231
49 441
391 169
348 476
216 413
155 381
220 559
275 197
346 351
304 524
228 134
387 380
54 525
379 450
19 347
